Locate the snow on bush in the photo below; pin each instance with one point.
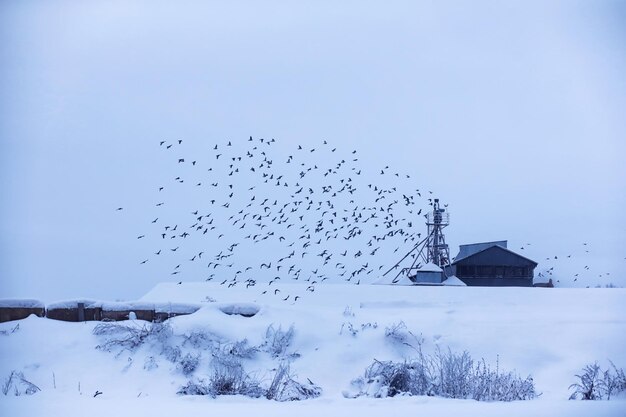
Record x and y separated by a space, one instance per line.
200 339
277 340
239 349
228 377
596 384
150 363
17 384
284 387
226 374
445 374
130 336
398 334
189 363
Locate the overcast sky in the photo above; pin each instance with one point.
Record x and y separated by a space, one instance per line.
512 113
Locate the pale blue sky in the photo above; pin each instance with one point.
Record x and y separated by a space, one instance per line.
511 112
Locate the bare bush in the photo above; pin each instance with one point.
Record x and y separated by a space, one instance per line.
596 384
349 328
445 374
189 363
388 379
239 349
130 336
398 334
201 339
172 353
492 385
284 387
229 378
454 376
277 340
150 363
19 385
199 387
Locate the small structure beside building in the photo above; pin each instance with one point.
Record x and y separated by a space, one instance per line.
428 274
492 264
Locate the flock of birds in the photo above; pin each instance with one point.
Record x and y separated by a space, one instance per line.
553 266
247 214
250 213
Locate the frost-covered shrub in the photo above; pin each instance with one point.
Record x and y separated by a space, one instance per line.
150 363
199 387
228 377
347 312
398 334
349 329
615 381
454 374
277 340
172 353
200 339
130 336
493 385
239 349
17 384
285 388
189 363
369 325
445 374
590 385
596 384
388 379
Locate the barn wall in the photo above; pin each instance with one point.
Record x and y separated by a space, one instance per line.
18 313
497 282
118 315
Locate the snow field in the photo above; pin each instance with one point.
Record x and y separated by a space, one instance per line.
339 330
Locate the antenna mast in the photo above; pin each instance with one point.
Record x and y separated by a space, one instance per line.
437 251
432 249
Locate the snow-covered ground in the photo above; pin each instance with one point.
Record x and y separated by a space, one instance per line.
339 330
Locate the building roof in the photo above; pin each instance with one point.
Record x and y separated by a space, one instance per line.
466 251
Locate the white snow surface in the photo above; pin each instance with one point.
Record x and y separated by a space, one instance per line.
393 280
550 334
19 303
430 267
453 280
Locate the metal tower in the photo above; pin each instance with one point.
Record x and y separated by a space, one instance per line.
437 251
432 249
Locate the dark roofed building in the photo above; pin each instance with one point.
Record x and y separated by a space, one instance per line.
491 264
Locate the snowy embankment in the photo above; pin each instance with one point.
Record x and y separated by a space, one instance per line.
339 330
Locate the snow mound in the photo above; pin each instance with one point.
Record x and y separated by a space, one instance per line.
454 281
392 280
242 309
